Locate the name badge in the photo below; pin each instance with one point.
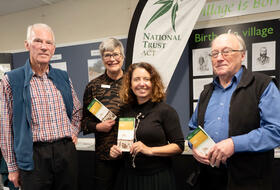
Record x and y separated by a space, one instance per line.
105 86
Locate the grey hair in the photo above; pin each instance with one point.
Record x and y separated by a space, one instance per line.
38 25
237 36
110 44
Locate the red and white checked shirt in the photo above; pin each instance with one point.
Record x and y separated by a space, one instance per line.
49 120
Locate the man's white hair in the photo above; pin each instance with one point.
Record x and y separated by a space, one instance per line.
38 25
237 36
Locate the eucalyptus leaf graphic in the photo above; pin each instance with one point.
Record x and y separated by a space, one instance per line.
162 2
173 15
161 11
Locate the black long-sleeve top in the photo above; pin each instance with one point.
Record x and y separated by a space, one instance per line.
159 125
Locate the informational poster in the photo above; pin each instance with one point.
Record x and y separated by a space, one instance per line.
262 41
4 67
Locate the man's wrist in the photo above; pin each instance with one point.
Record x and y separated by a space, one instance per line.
12 167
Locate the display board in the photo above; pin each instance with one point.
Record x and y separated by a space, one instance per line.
262 41
5 63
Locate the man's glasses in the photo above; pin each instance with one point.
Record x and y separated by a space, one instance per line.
225 52
108 56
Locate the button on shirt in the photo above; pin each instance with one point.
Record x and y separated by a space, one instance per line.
49 118
217 118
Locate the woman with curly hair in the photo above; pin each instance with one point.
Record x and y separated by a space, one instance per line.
158 134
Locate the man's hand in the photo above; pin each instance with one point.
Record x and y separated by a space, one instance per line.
14 177
74 139
200 157
105 126
221 152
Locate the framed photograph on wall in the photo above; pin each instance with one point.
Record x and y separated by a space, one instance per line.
201 62
95 68
263 56
198 85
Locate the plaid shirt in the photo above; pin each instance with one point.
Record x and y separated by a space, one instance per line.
49 118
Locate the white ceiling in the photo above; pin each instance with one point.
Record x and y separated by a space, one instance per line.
12 6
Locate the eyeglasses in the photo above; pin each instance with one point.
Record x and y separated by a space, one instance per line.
225 52
108 56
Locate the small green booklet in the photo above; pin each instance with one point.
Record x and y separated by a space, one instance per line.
126 133
201 140
100 111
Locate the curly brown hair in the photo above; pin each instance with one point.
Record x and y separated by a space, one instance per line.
126 94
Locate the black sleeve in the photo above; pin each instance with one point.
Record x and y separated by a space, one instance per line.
89 121
172 127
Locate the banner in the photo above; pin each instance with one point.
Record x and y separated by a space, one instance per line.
231 8
159 32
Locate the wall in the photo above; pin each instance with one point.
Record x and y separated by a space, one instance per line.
72 21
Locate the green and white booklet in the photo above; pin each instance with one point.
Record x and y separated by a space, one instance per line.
201 140
126 133
100 111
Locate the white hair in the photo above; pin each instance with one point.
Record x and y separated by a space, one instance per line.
110 44
237 36
38 25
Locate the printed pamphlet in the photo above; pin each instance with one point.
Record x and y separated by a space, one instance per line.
100 111
201 140
126 133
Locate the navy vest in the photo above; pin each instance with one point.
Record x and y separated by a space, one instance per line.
20 84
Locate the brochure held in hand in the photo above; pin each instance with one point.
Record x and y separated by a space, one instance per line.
100 111
201 140
126 133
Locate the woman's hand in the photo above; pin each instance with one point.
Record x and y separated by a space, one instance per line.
115 151
105 126
140 147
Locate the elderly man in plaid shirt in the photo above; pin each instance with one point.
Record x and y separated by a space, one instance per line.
40 119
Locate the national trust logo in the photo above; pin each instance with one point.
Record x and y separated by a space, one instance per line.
166 6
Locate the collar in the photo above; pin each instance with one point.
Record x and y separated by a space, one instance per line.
110 79
236 78
145 106
246 78
29 73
